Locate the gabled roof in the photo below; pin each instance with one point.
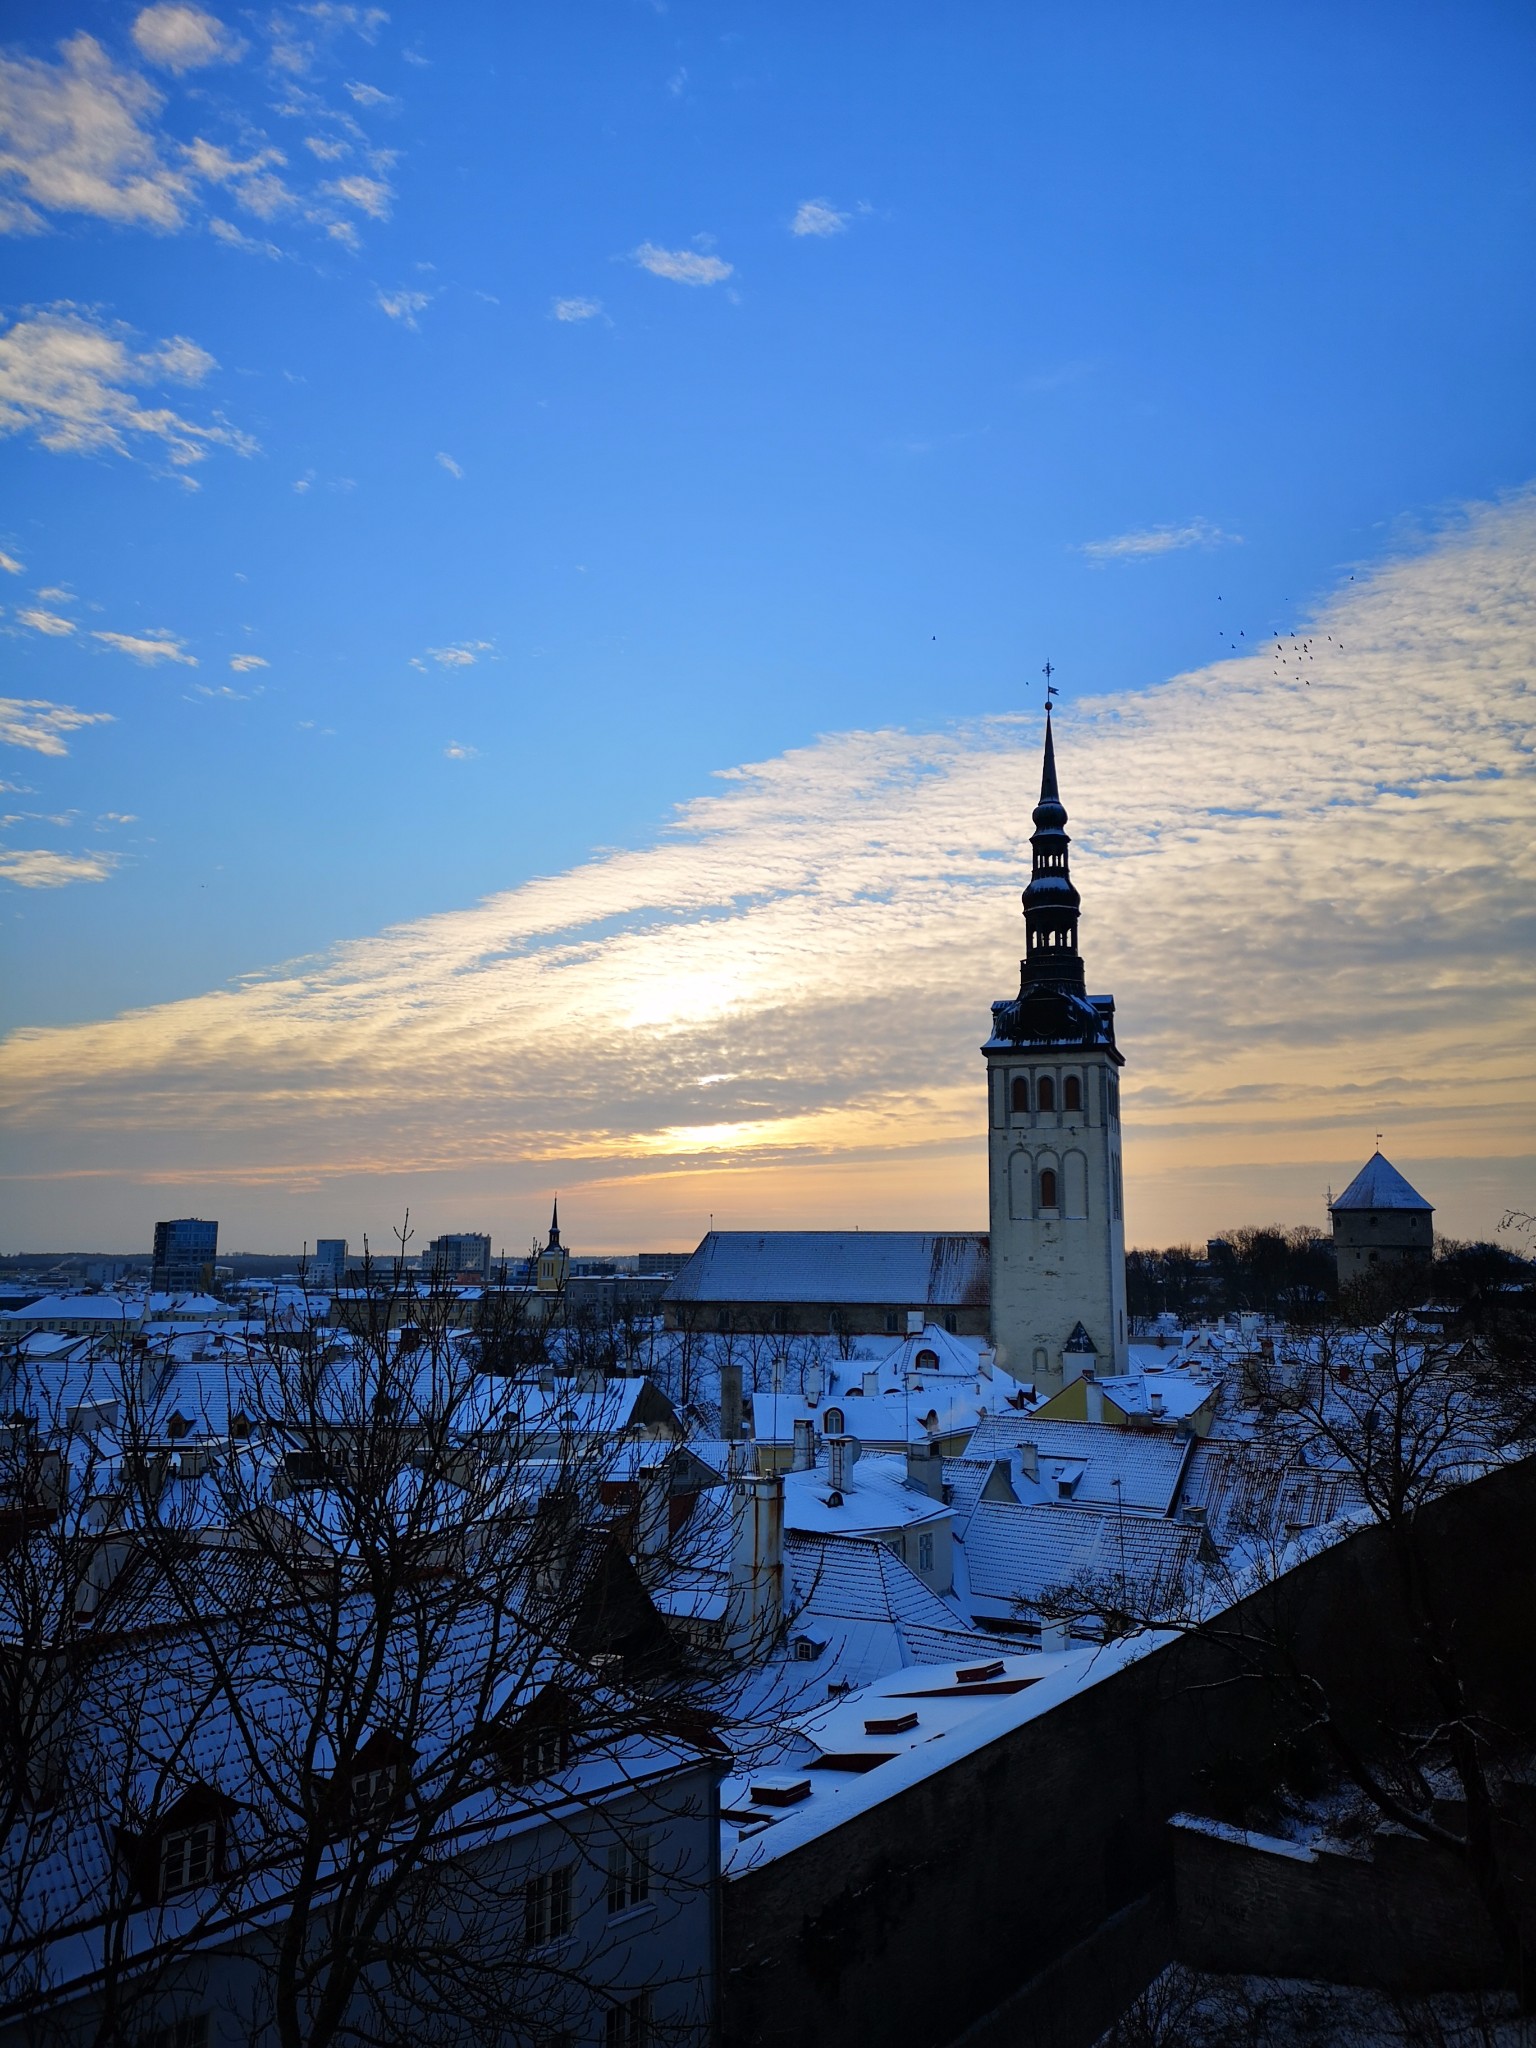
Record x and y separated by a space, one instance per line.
1118 1467
1023 1552
1379 1185
915 1267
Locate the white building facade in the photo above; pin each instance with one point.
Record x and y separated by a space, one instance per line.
1053 1096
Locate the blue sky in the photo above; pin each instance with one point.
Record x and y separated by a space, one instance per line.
549 471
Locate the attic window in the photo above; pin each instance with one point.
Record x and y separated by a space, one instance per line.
927 1361
188 1857
536 1753
832 1422
373 1793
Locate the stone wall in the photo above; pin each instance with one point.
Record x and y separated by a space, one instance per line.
1401 1915
969 1893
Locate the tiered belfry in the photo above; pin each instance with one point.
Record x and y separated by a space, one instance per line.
1053 1092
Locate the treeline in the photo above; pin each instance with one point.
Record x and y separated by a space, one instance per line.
1291 1274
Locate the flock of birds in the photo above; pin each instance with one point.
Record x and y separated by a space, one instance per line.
1290 649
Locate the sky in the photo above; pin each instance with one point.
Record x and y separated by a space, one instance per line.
529 541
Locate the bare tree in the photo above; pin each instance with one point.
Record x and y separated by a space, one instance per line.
387 1628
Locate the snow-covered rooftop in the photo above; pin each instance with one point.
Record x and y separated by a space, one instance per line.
945 1269
1379 1185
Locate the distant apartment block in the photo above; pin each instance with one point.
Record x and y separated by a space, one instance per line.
185 1249
329 1265
459 1252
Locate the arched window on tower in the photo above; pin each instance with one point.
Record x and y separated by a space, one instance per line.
1045 1092
1020 1095
1072 1093
1048 1187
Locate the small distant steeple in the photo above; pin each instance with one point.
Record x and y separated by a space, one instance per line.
554 1227
1051 903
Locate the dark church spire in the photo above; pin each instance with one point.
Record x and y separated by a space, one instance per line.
554 1228
1051 958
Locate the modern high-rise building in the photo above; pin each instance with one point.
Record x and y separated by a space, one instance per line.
329 1265
185 1250
459 1252
1053 1116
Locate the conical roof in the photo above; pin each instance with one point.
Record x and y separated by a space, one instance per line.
1379 1185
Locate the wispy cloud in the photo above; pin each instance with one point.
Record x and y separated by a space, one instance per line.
447 462
40 868
72 382
243 664
463 654
818 217
403 305
682 266
457 751
184 38
43 727
1160 540
10 564
149 648
576 309
818 941
44 621
368 195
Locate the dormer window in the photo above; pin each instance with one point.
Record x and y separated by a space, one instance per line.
374 1792
832 1424
188 1857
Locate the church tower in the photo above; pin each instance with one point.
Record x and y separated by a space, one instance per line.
1053 1096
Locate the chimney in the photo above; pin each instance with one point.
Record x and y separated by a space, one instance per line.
812 1381
1154 1401
925 1467
1093 1393
755 1610
805 1445
730 1399
651 1517
1054 1637
986 1359
839 1461
1029 1461
871 1382
916 1322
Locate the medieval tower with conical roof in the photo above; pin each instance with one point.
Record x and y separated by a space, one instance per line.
1053 1095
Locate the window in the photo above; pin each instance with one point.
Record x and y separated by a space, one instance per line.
1045 1092
536 1752
949 1324
832 1424
1048 1187
547 1907
924 1551
187 1858
1072 1093
629 2025
1020 1096
629 1875
373 1793
890 1322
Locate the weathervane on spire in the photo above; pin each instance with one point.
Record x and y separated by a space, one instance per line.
1050 688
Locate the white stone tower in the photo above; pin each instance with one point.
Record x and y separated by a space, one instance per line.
1053 1096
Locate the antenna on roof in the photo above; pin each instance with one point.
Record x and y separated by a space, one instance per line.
1378 1141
